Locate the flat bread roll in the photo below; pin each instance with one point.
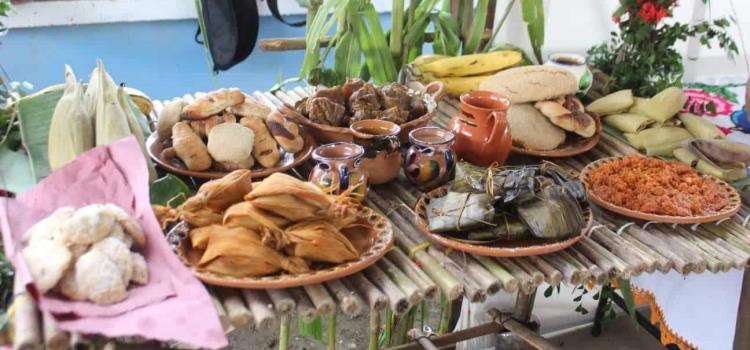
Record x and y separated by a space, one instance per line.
531 83
212 104
532 130
577 122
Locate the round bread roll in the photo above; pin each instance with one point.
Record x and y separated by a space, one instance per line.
231 146
532 130
531 83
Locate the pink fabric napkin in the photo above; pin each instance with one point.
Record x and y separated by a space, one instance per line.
173 306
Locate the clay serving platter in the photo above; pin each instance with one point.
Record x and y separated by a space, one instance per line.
373 239
730 209
496 248
574 144
156 146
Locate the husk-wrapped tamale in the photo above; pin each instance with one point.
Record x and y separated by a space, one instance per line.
628 122
459 211
199 236
724 159
655 137
699 127
268 225
554 215
239 252
222 193
292 199
319 241
195 212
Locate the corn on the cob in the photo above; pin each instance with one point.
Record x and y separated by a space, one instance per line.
111 122
70 132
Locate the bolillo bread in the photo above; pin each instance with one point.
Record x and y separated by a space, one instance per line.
531 83
212 104
577 122
285 132
532 130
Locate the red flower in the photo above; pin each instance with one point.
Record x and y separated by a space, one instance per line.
648 13
660 13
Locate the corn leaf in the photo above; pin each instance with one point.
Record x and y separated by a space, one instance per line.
321 24
446 40
477 27
348 56
374 70
533 14
380 44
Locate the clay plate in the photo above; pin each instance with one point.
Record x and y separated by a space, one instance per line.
432 94
730 209
497 248
573 145
155 146
372 245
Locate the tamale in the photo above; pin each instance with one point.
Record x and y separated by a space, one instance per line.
507 229
459 212
195 212
280 183
222 193
288 206
199 236
319 241
269 226
239 252
554 215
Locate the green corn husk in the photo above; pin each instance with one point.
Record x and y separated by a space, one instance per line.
665 104
699 127
70 131
111 122
555 215
654 137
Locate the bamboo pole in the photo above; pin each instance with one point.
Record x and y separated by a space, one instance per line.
27 327
662 263
570 273
472 289
525 282
622 268
284 332
372 344
226 324
687 250
537 277
551 274
331 331
260 307
509 282
375 298
726 259
54 338
238 314
282 300
305 308
426 285
397 299
410 289
320 298
738 257
487 281
600 274
349 302
620 247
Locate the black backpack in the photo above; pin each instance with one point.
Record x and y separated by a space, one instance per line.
230 29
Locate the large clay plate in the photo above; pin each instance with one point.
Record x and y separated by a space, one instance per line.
500 248
155 146
573 145
730 209
372 247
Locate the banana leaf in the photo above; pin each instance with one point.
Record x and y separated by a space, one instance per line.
321 24
169 190
348 56
446 40
533 14
477 27
15 171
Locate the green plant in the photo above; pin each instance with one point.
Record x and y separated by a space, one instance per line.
641 56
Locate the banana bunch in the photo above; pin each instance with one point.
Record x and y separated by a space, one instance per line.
100 115
461 74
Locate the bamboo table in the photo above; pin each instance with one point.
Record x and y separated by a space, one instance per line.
415 270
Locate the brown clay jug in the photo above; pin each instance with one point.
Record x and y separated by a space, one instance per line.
481 128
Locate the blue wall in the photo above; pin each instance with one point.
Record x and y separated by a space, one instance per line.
159 58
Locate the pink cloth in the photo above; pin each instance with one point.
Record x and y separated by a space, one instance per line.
173 306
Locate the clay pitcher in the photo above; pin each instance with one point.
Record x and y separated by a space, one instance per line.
481 128
338 169
382 158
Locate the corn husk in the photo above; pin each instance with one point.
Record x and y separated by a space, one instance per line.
239 252
653 137
289 207
70 131
280 183
199 236
111 122
665 104
228 190
319 241
136 130
269 226
663 149
196 213
613 103
699 127
728 173
628 122
640 104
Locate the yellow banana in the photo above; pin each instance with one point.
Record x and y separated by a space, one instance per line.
455 86
425 59
469 65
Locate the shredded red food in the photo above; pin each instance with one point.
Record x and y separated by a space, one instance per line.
657 187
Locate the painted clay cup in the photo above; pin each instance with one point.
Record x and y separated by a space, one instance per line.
382 158
430 162
481 128
338 169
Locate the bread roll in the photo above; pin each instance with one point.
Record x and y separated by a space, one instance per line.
265 149
579 123
285 132
531 83
532 130
213 103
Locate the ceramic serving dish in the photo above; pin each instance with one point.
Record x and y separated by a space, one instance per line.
573 145
372 244
432 93
735 201
156 145
497 248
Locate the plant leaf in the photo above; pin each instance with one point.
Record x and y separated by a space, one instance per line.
477 27
312 329
170 190
627 296
34 115
347 59
533 14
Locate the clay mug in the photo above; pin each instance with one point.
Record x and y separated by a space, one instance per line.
338 169
382 158
481 128
430 162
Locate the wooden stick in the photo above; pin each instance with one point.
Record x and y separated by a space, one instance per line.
293 44
305 308
525 282
236 310
600 274
476 271
509 282
375 298
552 275
619 247
27 328
569 271
260 307
624 270
282 300
320 298
223 318
396 297
472 289
426 285
687 250
54 338
410 289
349 302
662 263
537 277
